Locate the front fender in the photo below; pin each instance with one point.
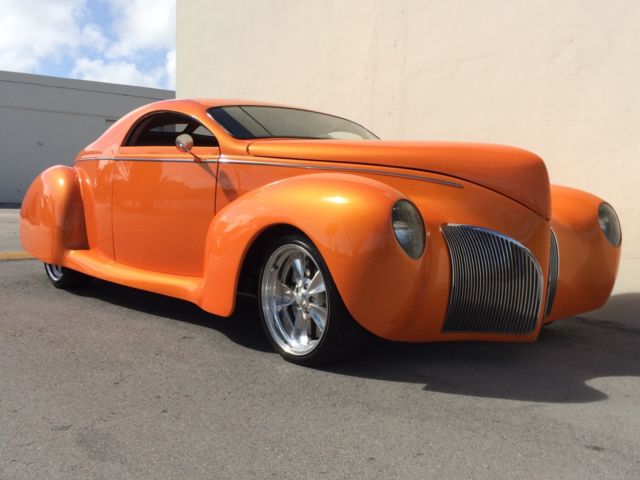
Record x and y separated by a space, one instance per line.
347 217
588 263
51 216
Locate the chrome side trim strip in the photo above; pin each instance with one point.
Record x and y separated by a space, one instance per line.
341 169
147 159
230 161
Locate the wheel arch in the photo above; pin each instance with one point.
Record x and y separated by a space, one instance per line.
249 275
347 218
52 215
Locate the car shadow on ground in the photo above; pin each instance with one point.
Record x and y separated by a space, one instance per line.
557 368
242 328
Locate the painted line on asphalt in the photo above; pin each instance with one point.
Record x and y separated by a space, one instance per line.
15 256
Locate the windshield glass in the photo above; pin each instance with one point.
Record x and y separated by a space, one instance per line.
252 121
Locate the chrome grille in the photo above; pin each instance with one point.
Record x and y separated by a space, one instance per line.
554 271
496 282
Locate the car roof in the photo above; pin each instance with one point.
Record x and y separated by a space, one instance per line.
212 102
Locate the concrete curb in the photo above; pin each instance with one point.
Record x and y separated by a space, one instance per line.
15 256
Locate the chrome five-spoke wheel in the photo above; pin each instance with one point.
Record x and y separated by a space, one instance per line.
294 299
301 309
54 272
62 277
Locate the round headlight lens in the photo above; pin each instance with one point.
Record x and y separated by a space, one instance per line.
609 224
408 228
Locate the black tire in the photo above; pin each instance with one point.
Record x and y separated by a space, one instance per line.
65 278
341 336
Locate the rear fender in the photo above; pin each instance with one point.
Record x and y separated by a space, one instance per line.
347 217
588 262
52 217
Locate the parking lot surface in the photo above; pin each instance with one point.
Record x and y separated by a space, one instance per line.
110 382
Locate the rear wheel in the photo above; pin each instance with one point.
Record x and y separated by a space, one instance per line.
62 277
301 310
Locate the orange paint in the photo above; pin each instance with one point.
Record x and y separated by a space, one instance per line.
588 262
155 219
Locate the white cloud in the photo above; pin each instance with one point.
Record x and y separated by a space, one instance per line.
117 71
36 34
32 30
92 37
142 25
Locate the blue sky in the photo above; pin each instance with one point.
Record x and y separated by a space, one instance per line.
119 41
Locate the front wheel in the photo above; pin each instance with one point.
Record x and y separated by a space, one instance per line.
62 277
301 310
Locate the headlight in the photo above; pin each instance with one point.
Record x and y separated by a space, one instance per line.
609 224
408 228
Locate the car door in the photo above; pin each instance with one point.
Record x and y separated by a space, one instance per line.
163 199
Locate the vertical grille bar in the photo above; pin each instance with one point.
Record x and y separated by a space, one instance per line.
496 282
554 272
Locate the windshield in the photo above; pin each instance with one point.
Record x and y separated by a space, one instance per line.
251 121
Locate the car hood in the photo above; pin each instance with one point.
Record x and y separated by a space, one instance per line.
518 174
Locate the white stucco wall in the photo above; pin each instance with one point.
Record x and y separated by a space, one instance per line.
45 121
558 77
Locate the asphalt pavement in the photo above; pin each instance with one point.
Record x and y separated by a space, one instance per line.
110 382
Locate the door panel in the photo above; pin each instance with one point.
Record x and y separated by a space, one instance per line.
163 202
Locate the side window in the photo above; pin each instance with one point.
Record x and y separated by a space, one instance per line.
161 130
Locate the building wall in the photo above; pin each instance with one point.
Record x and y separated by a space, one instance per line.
45 121
559 78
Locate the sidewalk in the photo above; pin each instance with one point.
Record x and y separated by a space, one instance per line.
9 235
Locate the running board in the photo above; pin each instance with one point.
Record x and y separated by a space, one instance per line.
177 286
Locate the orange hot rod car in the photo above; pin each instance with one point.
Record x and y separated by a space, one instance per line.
334 230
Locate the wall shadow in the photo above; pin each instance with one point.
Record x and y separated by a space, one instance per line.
568 354
622 310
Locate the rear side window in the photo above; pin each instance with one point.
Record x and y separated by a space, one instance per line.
161 129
